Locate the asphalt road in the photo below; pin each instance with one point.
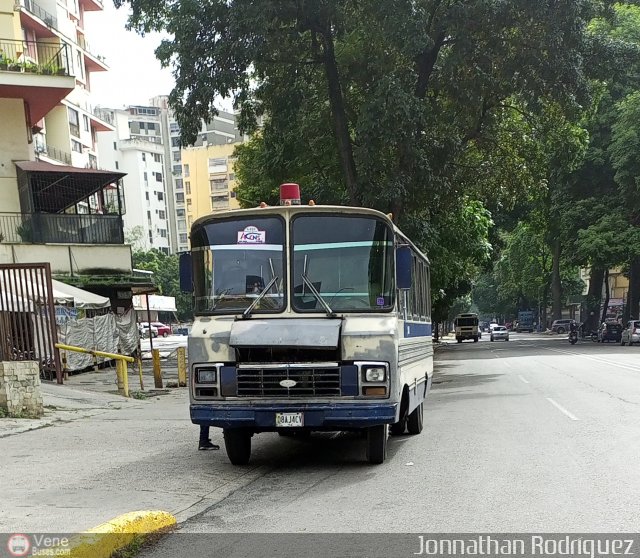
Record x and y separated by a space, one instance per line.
530 435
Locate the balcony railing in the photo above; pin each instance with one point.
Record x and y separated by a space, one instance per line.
102 114
35 57
39 12
53 153
84 44
60 228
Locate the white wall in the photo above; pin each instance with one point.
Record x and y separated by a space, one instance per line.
13 147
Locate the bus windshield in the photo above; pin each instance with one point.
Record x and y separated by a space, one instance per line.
349 260
235 262
467 321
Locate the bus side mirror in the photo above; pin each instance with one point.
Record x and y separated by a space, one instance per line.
186 273
404 258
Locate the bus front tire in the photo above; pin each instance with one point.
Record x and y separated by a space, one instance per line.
377 443
237 442
415 420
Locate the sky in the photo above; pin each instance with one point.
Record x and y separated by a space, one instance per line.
134 74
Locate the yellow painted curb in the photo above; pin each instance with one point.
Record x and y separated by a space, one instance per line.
103 540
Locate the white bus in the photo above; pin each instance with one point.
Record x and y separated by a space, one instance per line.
466 327
307 318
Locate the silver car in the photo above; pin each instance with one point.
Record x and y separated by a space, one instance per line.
631 333
499 332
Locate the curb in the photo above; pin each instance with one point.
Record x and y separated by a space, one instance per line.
102 541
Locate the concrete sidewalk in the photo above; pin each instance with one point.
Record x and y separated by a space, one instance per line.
95 455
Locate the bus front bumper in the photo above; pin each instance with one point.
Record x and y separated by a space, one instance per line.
318 416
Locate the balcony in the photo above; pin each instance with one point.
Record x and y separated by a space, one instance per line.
33 15
60 228
94 62
92 5
37 72
52 153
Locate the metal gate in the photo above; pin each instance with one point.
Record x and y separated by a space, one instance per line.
28 318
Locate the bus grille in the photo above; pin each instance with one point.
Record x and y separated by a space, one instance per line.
309 382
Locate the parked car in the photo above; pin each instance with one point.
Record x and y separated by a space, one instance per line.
631 333
499 332
163 330
610 332
143 329
560 326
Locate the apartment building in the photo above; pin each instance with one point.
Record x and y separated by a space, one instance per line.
56 206
209 184
137 147
222 130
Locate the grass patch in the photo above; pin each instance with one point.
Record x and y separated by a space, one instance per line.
4 413
138 395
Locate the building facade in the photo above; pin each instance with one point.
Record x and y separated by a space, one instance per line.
209 185
137 148
221 131
56 205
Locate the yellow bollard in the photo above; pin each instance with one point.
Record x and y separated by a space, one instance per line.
120 377
182 367
140 371
125 377
157 371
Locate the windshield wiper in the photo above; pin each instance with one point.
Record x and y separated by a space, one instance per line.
247 312
318 296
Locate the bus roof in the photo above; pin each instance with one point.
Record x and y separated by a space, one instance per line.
288 210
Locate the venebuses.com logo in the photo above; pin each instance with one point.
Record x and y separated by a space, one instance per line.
18 545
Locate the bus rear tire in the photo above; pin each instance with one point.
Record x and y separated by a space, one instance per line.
415 420
377 443
237 442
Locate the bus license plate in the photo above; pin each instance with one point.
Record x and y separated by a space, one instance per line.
289 419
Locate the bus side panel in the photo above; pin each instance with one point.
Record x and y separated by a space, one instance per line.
415 360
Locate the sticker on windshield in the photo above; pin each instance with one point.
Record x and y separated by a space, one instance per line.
380 301
251 235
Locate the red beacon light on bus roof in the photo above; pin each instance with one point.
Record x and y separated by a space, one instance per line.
289 194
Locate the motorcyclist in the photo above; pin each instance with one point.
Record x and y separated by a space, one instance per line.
573 332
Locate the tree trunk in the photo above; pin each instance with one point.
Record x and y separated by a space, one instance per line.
607 296
633 296
556 283
339 117
545 299
594 297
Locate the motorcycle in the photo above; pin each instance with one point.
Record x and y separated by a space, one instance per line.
573 337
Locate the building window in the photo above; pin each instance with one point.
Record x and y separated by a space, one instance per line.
146 195
180 197
160 196
178 183
85 121
151 126
232 176
117 165
162 215
162 233
76 146
144 174
144 157
177 169
176 156
74 122
218 184
219 202
115 146
183 238
186 170
180 212
188 204
174 128
182 225
175 142
149 216
157 157
158 176
188 188
141 125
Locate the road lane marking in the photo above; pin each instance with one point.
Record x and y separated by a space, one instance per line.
595 359
525 381
562 409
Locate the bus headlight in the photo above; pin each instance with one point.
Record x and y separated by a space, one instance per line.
375 374
206 376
